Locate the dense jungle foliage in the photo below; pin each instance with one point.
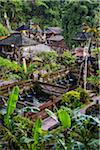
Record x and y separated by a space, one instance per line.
76 129
75 132
67 14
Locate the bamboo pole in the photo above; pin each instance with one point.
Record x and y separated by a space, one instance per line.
86 64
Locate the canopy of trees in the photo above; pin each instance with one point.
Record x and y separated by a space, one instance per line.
76 13
70 15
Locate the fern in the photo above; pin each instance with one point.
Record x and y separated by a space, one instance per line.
8 136
23 120
41 3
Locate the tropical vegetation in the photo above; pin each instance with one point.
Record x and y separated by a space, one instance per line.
61 86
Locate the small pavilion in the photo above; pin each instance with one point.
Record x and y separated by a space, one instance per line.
23 29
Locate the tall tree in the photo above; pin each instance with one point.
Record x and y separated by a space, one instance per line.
75 13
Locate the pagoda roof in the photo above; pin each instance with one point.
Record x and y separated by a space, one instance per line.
17 39
55 30
23 27
81 36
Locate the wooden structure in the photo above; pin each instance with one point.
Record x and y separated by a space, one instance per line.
45 81
55 39
3 37
57 91
49 78
27 84
81 38
24 29
47 87
57 43
51 104
52 31
11 47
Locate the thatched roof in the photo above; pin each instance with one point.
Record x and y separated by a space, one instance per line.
17 39
23 27
81 36
55 30
56 38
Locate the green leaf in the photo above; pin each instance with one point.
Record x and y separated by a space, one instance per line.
26 140
62 144
11 104
41 3
94 143
37 131
77 145
51 114
64 118
30 109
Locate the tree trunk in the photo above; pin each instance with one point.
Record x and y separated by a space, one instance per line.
85 68
7 22
98 60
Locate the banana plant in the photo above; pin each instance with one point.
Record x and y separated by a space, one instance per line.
11 105
63 117
37 131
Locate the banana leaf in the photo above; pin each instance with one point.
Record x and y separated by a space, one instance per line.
64 118
11 105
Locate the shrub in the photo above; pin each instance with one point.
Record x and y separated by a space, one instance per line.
55 66
48 57
84 95
68 58
3 30
72 98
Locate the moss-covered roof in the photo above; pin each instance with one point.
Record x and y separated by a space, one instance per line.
18 40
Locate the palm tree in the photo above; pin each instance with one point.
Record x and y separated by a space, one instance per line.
94 31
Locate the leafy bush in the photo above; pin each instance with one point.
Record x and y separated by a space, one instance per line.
72 98
94 80
9 69
8 64
84 95
12 70
48 57
68 58
3 30
86 131
47 67
55 66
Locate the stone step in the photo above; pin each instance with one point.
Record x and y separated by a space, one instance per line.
49 124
